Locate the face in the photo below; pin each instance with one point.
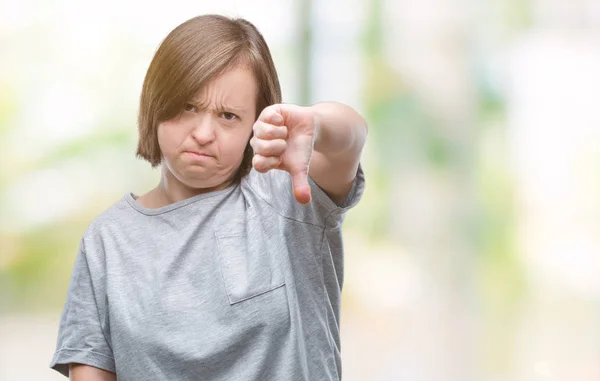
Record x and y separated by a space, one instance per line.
204 146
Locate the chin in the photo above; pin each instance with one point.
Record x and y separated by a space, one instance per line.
204 181
198 177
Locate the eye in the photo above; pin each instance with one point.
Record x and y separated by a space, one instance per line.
229 116
189 107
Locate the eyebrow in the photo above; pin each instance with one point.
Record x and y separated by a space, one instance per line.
232 108
220 106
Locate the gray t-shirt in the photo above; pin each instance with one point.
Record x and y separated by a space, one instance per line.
238 284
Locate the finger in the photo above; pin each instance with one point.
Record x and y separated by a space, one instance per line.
263 164
268 147
301 187
271 115
268 131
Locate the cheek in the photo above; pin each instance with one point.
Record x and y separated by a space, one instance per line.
233 146
169 139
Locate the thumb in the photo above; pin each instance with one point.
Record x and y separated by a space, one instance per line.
301 187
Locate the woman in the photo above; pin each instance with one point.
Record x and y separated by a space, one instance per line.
232 267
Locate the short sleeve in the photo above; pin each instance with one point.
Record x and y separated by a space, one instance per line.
81 336
275 188
353 197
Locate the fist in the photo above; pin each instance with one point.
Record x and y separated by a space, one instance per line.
284 137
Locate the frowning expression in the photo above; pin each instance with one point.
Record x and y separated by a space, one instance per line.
203 146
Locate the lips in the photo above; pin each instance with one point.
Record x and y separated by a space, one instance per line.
199 154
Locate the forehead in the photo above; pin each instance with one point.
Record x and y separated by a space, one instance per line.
236 87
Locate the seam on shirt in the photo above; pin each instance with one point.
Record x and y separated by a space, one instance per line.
152 214
85 351
332 344
222 268
258 294
87 264
344 207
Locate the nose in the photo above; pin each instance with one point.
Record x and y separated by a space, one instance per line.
204 130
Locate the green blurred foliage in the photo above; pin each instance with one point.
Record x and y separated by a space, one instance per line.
403 135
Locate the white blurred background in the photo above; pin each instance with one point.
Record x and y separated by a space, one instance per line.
475 252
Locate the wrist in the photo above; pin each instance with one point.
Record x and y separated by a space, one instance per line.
317 119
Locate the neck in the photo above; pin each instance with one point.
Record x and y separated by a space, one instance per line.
171 190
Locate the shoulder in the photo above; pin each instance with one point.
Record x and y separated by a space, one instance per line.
112 215
274 190
105 225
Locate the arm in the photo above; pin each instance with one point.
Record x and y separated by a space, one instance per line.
340 137
323 141
81 372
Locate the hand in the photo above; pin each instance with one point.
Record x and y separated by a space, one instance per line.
284 137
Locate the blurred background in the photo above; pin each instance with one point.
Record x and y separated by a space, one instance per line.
475 252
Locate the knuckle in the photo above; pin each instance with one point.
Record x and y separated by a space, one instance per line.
266 112
266 132
271 149
262 164
277 147
259 130
261 146
257 163
279 132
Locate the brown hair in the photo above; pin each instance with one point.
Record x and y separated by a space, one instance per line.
192 55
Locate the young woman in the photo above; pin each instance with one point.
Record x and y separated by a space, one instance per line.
231 268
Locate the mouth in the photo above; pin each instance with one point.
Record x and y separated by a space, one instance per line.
200 158
197 154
